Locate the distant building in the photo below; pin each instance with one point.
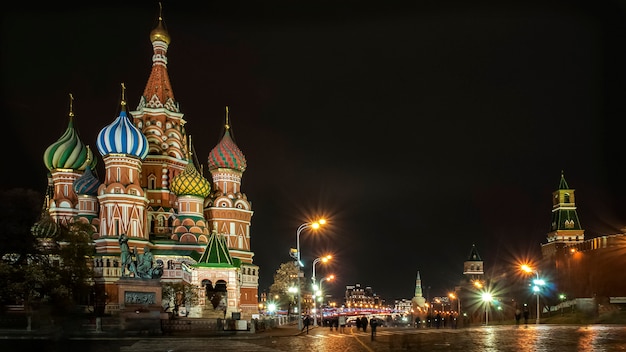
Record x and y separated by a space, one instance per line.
473 268
357 296
418 302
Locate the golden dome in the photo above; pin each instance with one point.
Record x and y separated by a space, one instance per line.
160 33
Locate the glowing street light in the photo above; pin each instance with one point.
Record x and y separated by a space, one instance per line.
487 298
314 225
271 307
452 295
537 288
562 298
317 260
328 278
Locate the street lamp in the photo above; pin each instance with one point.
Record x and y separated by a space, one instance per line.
453 295
314 225
328 278
317 260
487 297
536 288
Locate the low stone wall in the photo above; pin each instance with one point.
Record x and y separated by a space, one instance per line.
133 325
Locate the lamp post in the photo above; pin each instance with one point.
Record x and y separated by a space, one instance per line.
487 297
313 225
328 278
453 295
317 260
538 282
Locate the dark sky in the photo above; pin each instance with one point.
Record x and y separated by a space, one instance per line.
418 130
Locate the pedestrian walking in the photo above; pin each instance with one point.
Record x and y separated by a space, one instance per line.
373 325
358 323
364 323
342 324
526 313
518 315
307 322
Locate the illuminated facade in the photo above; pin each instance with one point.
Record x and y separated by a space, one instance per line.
578 267
154 191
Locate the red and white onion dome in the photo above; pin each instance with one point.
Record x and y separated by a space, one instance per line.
227 155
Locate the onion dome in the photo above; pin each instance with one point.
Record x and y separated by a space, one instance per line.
87 183
226 154
121 136
160 32
69 152
190 182
46 227
46 230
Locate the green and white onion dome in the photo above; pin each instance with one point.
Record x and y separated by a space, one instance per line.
69 152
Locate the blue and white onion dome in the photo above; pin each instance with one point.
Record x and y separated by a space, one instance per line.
121 136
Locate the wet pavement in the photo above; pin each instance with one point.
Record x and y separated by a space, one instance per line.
536 338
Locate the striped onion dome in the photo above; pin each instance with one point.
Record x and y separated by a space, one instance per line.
87 183
190 182
46 229
69 152
122 137
227 155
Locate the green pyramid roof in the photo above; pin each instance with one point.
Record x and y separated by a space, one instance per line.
216 251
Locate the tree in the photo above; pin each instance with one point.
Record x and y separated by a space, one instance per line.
179 294
56 275
285 277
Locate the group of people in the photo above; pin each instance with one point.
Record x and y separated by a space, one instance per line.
339 323
362 322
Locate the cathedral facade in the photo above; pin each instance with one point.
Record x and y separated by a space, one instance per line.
153 191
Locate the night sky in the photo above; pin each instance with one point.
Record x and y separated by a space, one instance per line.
417 130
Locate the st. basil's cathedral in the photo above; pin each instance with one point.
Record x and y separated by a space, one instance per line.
152 192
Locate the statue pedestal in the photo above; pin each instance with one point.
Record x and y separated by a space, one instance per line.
140 305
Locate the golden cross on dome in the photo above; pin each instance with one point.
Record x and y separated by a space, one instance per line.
71 105
123 94
226 126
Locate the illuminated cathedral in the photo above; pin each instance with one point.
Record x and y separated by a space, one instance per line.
153 191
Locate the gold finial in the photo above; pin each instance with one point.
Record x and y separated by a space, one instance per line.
88 156
226 125
123 94
189 152
71 105
160 11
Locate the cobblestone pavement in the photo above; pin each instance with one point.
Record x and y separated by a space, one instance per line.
544 338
